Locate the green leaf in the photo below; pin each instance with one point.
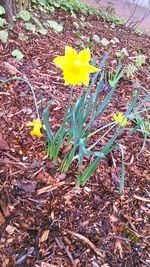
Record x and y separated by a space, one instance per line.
76 25
105 42
2 10
25 15
54 25
30 27
81 180
37 21
43 31
17 54
96 38
2 22
3 36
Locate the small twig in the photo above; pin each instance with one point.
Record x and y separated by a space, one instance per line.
49 188
88 242
141 198
11 157
118 237
13 163
62 246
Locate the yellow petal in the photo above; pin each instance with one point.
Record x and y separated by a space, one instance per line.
115 118
70 78
30 123
85 56
124 122
36 132
90 68
59 61
120 116
37 125
70 54
85 79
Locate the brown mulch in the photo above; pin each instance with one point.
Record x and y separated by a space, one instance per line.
45 219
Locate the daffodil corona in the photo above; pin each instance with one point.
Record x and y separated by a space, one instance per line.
37 126
75 66
119 119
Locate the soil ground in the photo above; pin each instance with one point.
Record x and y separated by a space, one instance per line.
45 219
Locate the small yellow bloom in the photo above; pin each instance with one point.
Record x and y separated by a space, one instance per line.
119 119
37 126
75 66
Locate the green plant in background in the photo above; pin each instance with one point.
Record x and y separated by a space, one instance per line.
122 54
17 54
131 70
114 76
24 15
3 33
140 60
2 20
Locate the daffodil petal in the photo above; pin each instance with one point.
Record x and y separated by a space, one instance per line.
120 116
30 123
37 125
124 122
85 79
91 68
60 61
36 132
115 118
70 53
85 56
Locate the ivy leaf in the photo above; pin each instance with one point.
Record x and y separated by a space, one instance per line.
17 54
25 15
37 21
43 31
105 42
2 22
54 25
30 27
96 38
3 36
76 25
2 10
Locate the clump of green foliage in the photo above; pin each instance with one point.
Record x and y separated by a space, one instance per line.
74 6
3 33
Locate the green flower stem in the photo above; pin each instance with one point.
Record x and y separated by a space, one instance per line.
30 86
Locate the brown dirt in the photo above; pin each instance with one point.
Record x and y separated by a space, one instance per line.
45 220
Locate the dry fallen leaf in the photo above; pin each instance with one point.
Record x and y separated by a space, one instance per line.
67 149
44 236
45 264
5 262
45 177
10 68
2 219
10 229
4 205
118 247
3 144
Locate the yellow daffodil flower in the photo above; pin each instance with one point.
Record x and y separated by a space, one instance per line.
119 119
75 66
37 126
